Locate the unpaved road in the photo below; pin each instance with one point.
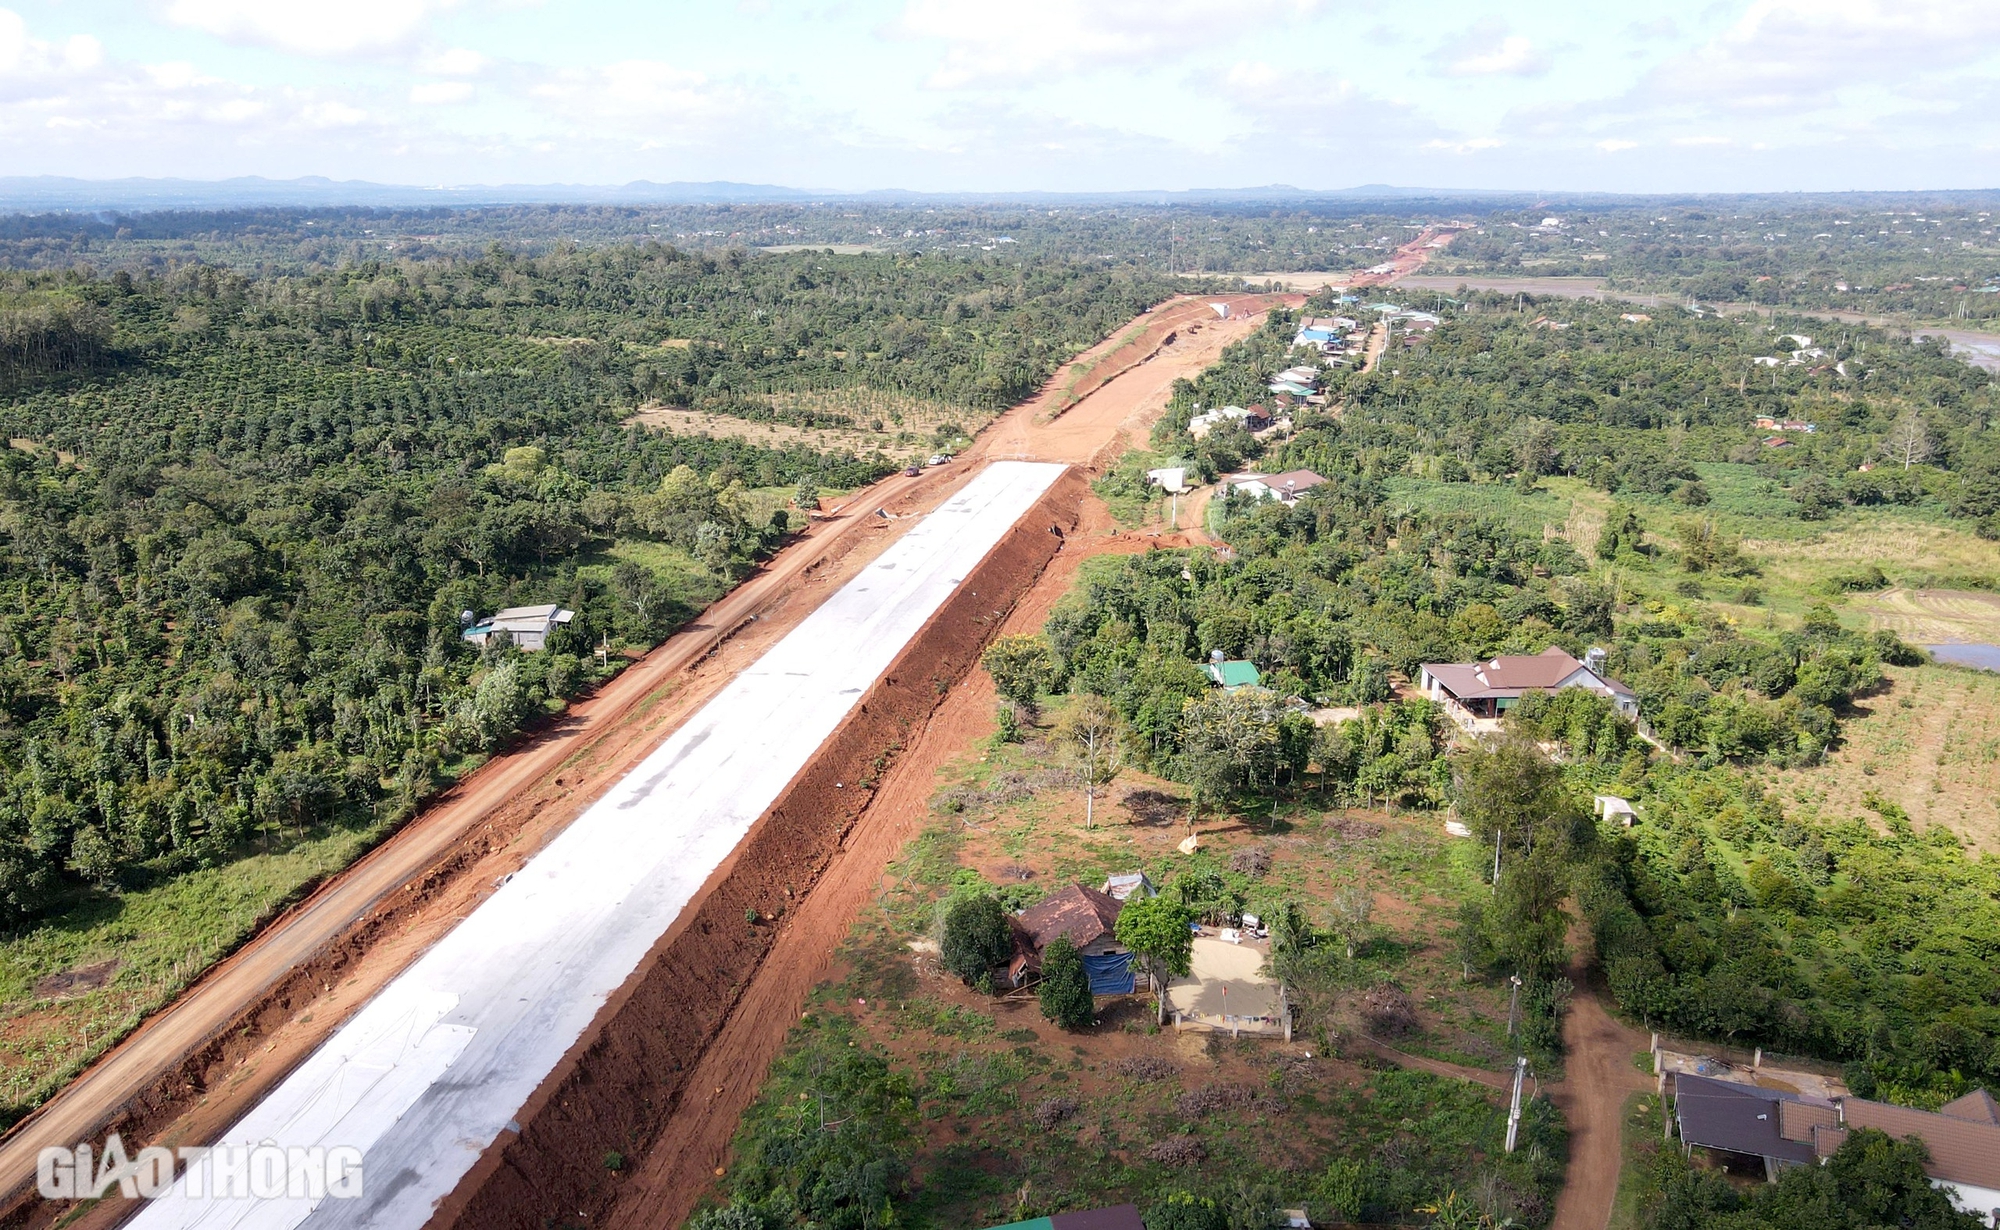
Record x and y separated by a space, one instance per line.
1597 1078
220 996
681 1167
566 763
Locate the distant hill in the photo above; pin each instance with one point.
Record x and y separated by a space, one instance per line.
51 192
45 193
61 194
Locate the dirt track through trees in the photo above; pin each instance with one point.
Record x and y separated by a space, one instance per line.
1597 1077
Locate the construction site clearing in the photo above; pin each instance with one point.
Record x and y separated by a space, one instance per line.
190 1082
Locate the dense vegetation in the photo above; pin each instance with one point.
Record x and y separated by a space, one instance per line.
1731 913
1241 237
1934 258
243 515
1871 1181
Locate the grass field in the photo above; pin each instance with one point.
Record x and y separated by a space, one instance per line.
1930 743
1934 616
73 986
901 427
1642 1133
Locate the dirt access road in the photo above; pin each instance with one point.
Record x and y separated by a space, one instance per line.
1597 1078
197 1064
219 999
682 1166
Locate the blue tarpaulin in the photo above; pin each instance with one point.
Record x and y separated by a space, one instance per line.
1110 973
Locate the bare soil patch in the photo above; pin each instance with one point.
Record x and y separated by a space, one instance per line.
76 981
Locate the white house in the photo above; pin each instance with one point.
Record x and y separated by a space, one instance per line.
1285 488
528 626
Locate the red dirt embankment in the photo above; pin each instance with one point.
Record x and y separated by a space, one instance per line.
617 1087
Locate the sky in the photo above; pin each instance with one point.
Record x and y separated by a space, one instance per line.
1058 95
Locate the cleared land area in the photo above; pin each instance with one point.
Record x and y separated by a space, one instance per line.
432 1071
1929 744
897 425
1935 616
1978 349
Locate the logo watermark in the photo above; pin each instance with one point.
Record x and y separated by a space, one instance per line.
265 1171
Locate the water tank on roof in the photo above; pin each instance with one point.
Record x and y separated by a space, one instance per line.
1594 659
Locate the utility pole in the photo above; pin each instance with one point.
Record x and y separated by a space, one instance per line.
1513 1002
1514 1113
1496 861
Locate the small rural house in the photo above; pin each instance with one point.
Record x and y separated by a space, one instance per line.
1117 1217
1478 694
1782 1128
1285 488
1229 674
1253 419
1611 807
528 626
1089 918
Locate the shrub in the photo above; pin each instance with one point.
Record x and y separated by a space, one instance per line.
976 937
1065 988
1180 1151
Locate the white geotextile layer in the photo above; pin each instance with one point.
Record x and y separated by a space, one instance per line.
427 1075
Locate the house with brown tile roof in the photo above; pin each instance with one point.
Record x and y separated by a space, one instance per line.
1089 919
1478 694
1784 1128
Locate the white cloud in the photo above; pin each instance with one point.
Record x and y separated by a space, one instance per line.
1615 146
664 103
309 29
1036 39
456 62
1253 75
1489 50
1469 146
67 105
332 114
83 51
1791 55
435 93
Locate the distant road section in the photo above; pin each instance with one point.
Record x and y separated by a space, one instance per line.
425 1077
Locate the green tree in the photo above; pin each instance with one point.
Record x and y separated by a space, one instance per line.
1021 667
1512 790
1352 906
1183 1211
1159 931
1229 740
1065 987
976 937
